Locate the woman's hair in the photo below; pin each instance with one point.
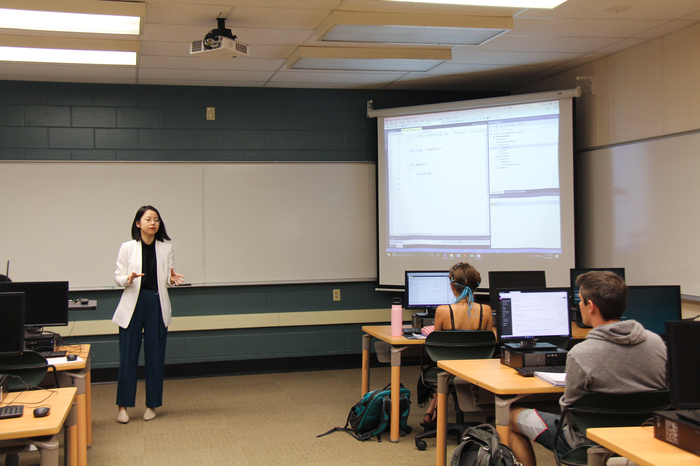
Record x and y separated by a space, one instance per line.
161 234
465 275
465 279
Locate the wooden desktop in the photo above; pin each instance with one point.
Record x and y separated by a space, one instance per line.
14 432
77 374
501 380
639 445
398 344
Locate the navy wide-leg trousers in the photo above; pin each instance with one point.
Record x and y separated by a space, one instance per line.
147 324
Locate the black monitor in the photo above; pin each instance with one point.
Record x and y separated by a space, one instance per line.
11 324
574 273
654 305
525 315
428 289
45 303
683 351
513 279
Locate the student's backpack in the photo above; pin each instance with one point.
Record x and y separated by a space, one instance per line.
481 446
372 414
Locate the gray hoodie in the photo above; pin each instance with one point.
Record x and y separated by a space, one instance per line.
621 357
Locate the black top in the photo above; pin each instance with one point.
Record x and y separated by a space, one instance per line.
481 315
148 266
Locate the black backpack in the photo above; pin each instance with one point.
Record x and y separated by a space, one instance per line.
481 446
372 414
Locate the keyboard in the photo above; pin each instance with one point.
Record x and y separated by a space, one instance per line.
52 354
529 371
411 331
7 412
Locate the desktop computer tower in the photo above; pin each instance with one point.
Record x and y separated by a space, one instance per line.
422 319
671 428
527 358
42 342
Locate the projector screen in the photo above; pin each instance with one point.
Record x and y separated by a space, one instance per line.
489 182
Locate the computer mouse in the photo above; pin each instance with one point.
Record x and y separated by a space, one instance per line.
41 411
71 357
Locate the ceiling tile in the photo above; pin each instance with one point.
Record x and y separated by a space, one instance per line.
547 44
542 43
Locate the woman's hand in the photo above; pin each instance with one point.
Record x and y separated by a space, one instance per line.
176 278
132 276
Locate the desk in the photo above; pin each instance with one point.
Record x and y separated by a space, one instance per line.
506 385
77 374
639 445
27 426
398 344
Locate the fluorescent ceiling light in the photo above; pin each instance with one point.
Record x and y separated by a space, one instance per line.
503 3
81 57
367 59
67 50
411 28
82 16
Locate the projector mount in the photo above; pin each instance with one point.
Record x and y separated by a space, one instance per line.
213 38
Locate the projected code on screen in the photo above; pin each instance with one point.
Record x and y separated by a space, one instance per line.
505 169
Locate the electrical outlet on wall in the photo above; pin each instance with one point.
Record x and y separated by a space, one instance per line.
336 295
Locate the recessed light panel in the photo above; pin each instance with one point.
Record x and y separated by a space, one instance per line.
367 59
406 28
81 16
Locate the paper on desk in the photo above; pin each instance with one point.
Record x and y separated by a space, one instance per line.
558 379
63 360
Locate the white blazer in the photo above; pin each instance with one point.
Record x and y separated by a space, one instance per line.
129 261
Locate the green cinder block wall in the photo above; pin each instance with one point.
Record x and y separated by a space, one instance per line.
101 122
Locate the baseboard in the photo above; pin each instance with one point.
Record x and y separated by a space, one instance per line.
251 366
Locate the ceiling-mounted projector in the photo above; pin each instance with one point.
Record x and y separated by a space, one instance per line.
219 44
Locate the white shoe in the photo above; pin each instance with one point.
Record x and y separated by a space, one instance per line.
149 414
122 417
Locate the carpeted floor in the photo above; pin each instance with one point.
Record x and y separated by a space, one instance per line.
253 420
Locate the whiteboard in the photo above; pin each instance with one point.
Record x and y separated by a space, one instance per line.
230 223
638 207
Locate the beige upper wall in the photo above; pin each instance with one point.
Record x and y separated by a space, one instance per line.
648 91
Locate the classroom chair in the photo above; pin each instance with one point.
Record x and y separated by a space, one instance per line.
449 345
597 409
26 370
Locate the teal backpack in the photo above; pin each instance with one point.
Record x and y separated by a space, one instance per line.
372 414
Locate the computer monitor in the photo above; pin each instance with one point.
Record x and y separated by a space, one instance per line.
45 303
574 273
525 315
513 279
653 306
428 289
683 360
11 324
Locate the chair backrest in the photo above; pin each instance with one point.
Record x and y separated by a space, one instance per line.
617 410
29 366
460 344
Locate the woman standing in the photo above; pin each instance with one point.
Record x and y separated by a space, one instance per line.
145 268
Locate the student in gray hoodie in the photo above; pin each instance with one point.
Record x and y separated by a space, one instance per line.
616 357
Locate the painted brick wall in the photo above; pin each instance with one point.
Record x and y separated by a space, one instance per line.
74 121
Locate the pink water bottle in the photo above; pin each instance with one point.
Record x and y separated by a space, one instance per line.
396 317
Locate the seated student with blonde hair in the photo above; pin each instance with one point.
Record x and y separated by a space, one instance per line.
464 314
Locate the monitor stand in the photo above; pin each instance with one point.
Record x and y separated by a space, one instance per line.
689 415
